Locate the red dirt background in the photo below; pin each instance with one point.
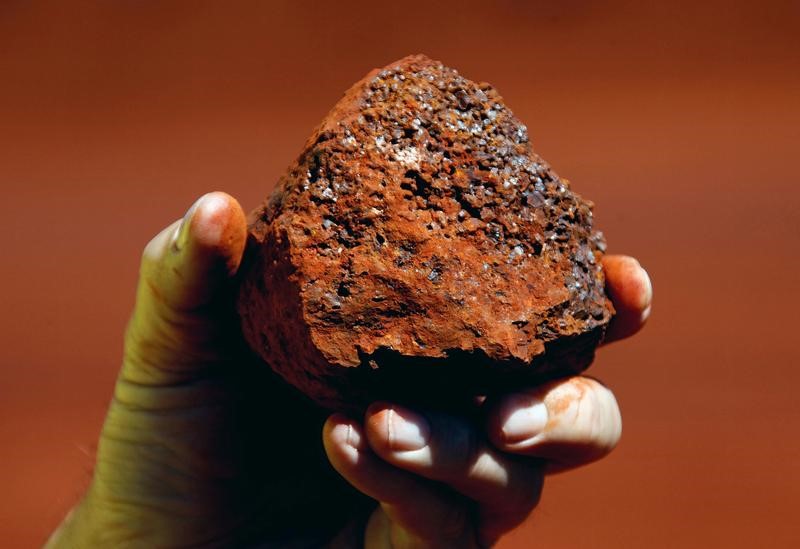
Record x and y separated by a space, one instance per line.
681 121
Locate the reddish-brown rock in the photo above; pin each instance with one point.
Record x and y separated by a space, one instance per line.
419 250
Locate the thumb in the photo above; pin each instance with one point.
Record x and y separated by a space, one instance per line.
183 314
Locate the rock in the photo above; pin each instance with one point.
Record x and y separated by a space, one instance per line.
418 250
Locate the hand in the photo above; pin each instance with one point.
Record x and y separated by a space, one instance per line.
204 447
443 481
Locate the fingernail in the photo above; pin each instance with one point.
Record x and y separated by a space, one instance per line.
406 430
527 420
347 440
181 235
350 435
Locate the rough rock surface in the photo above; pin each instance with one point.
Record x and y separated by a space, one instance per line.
419 250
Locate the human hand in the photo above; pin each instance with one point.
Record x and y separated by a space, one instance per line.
203 446
443 481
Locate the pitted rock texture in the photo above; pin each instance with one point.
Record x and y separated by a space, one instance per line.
419 250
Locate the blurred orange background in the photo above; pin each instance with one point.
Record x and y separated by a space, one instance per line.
681 121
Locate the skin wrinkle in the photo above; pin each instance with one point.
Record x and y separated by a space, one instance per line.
156 340
157 373
123 510
112 496
160 456
154 290
193 394
148 422
177 310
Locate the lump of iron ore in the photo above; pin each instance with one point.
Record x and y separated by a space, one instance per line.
418 250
